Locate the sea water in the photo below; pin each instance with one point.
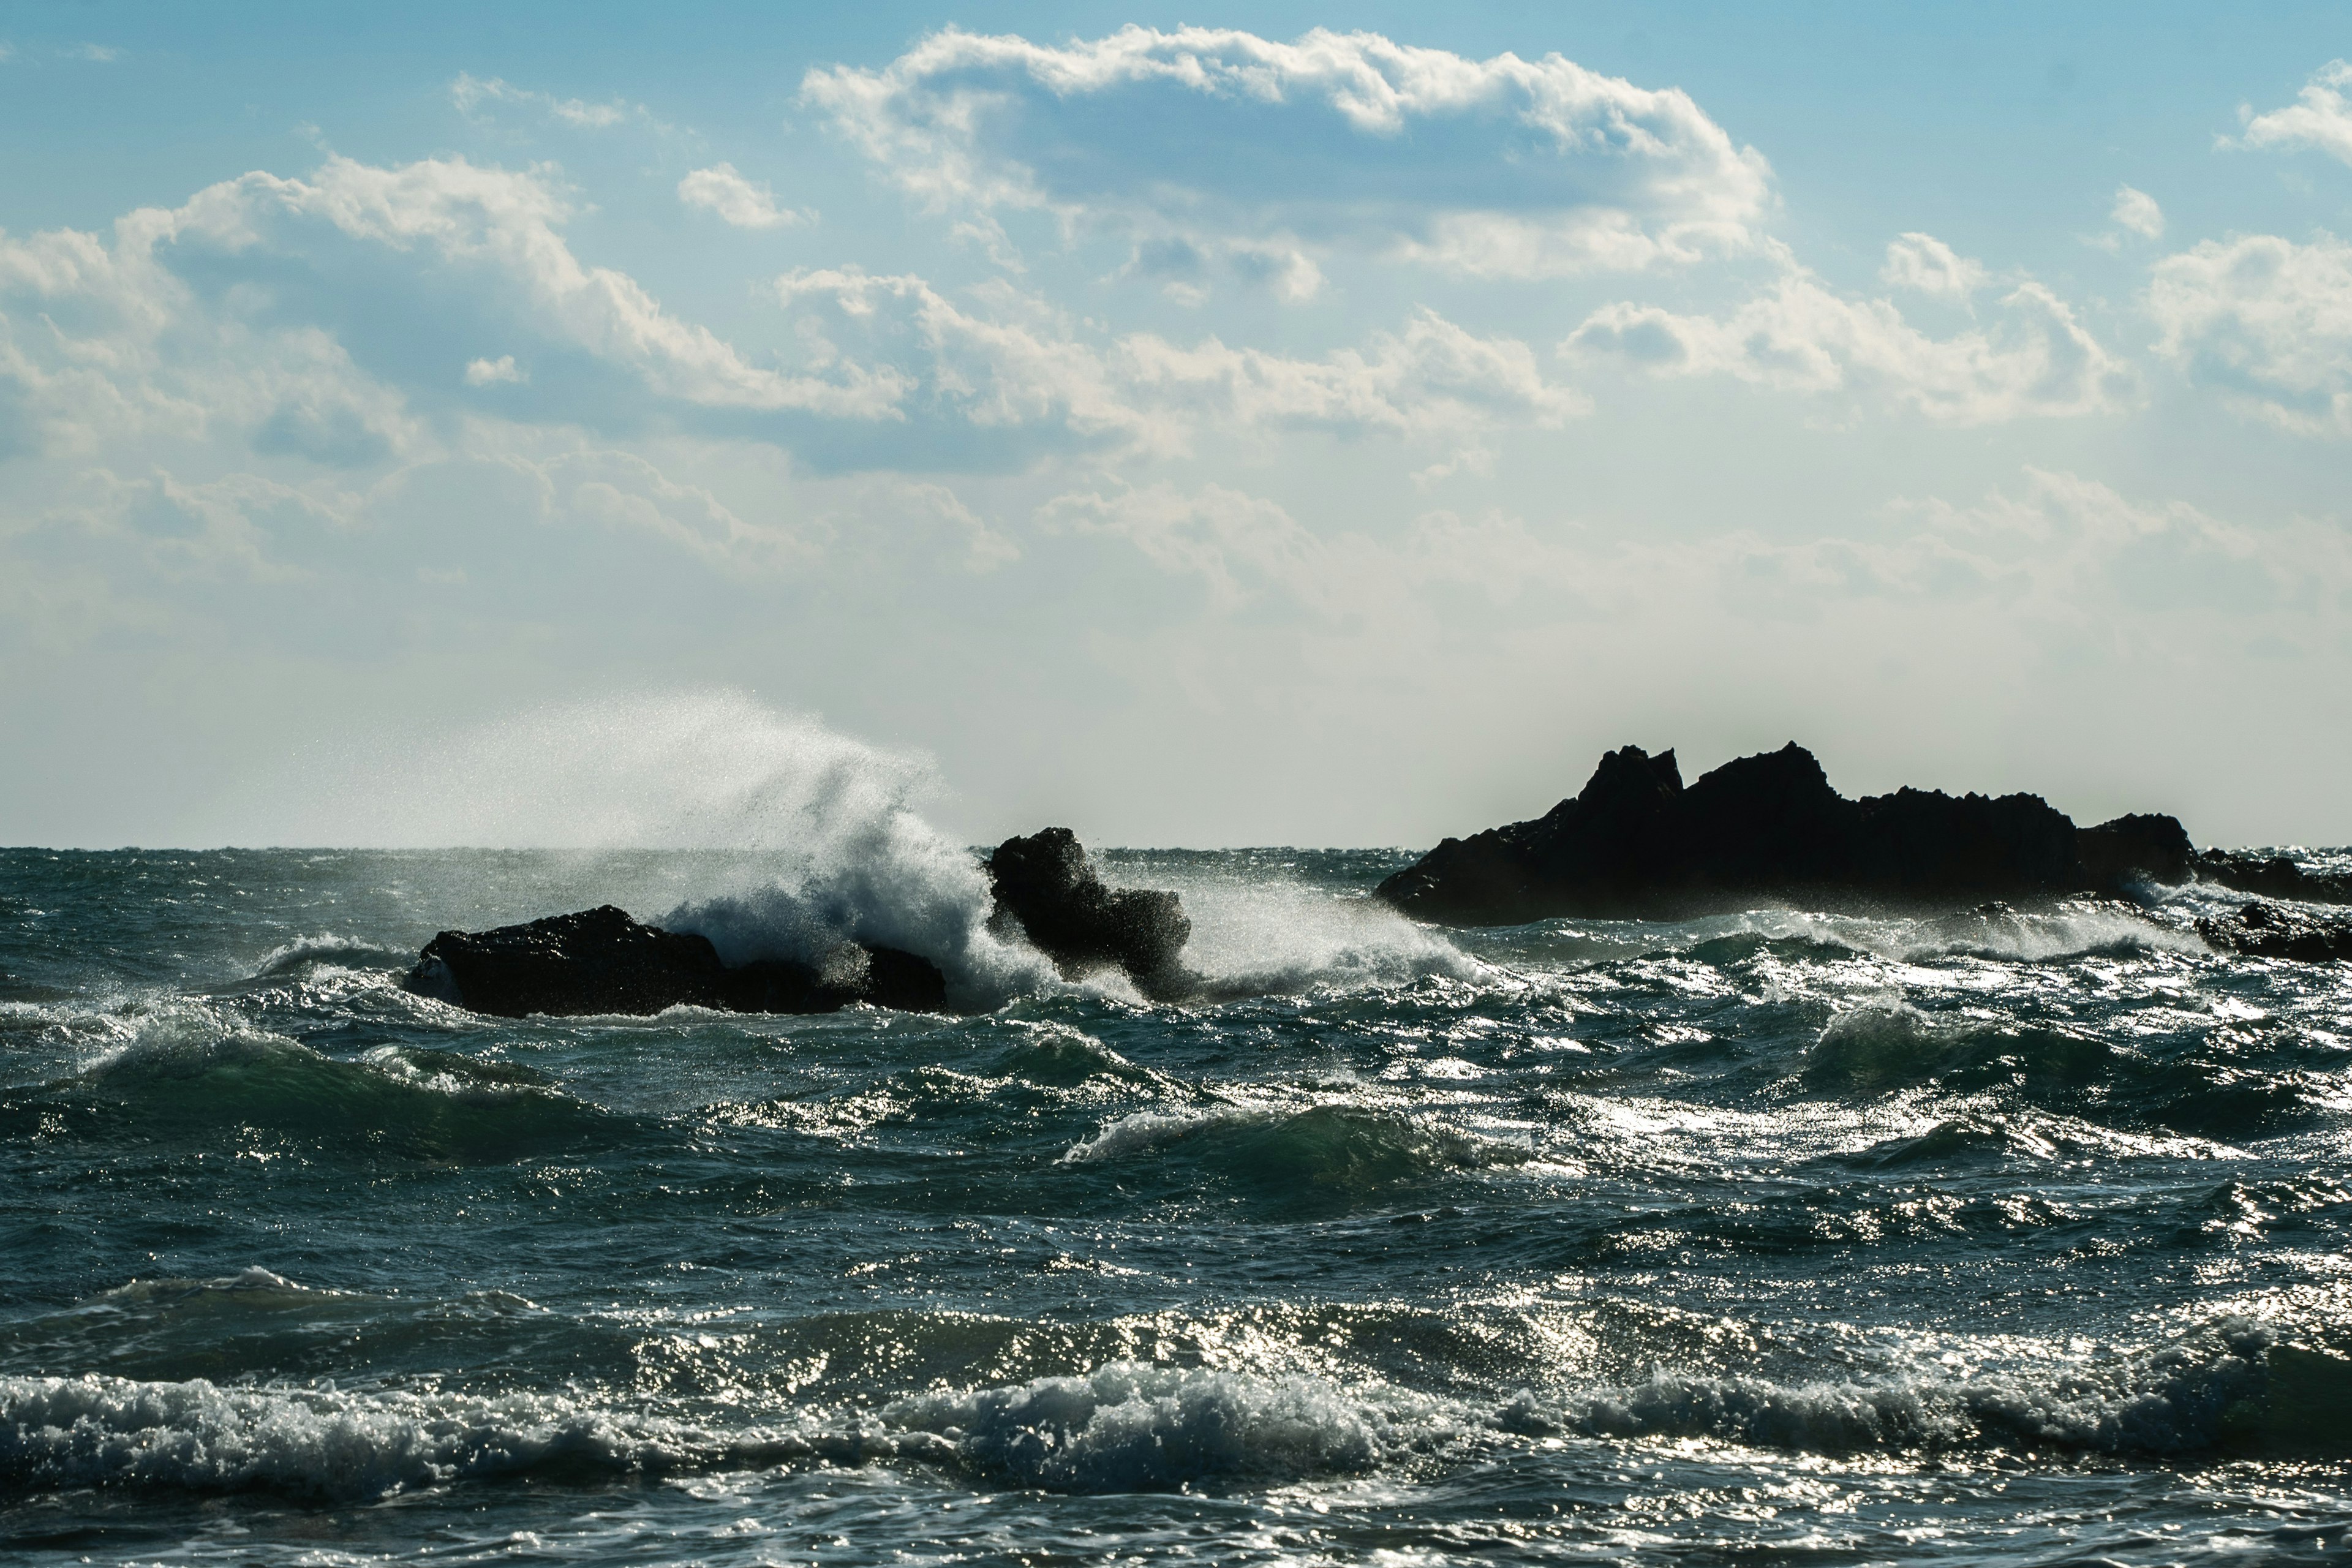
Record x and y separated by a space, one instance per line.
2006 1236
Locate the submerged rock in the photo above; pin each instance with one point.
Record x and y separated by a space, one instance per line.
1636 843
2270 931
1044 886
602 961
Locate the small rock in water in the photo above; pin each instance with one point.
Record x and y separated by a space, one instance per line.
1046 886
2272 931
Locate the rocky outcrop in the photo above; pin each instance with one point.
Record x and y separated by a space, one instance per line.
1635 843
2269 931
2134 848
2272 875
1045 888
602 961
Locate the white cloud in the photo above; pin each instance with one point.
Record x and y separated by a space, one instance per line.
1433 376
490 371
1013 362
2137 211
2060 561
1502 167
2037 359
2265 319
506 227
2321 119
98 54
720 189
1925 265
469 92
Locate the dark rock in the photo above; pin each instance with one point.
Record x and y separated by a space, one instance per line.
2272 875
2269 931
602 961
2140 847
1045 885
1636 843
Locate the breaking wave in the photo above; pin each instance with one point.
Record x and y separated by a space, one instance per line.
2233 1387
339 952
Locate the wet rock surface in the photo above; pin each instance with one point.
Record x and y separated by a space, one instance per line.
1045 887
2273 931
602 960
1635 843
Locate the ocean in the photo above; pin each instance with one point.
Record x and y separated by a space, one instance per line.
1787 1235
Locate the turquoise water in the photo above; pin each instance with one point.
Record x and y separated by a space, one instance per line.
1784 1235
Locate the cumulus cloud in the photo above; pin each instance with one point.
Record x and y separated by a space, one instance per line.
1925 265
2036 360
720 191
2320 120
503 230
2265 319
1006 360
1502 167
2137 212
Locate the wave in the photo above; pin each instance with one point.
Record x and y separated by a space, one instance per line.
1996 931
191 1073
2216 1086
1280 937
1129 1428
1330 1147
2042 936
339 952
110 1431
2232 1387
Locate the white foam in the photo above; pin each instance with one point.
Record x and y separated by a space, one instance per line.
1270 934
111 1431
328 949
1127 1426
1143 1130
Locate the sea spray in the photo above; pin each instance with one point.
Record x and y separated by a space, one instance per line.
821 836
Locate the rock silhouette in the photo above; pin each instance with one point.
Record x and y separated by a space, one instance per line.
2269 931
602 961
2272 875
1635 843
1046 886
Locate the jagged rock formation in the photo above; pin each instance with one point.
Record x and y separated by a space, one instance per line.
1045 887
1636 843
602 961
2267 930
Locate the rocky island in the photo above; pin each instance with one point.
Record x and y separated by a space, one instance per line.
1636 843
604 961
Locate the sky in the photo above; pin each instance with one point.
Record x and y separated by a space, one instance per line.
1227 425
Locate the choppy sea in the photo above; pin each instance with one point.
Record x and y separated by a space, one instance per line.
1788 1235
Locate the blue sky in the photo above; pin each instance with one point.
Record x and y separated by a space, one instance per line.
1238 425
